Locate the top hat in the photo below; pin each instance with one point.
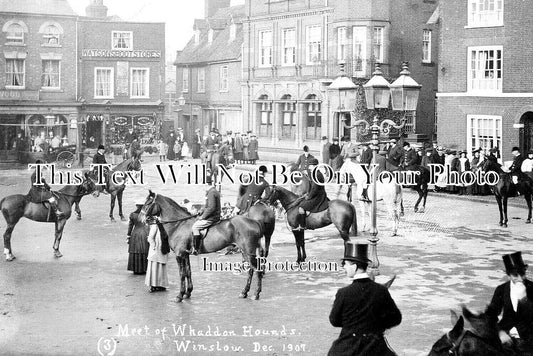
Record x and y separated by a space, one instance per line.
514 263
101 147
406 144
356 252
515 149
476 150
262 169
324 137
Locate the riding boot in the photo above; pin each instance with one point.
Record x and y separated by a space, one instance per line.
196 239
58 212
364 195
301 219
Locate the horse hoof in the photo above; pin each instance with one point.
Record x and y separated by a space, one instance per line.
78 217
178 300
122 218
416 210
501 224
256 297
10 258
243 295
505 225
58 254
113 219
528 221
186 296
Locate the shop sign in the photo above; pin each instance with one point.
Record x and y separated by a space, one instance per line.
145 121
121 121
121 54
19 95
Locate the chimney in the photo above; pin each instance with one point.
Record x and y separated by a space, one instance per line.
96 8
212 6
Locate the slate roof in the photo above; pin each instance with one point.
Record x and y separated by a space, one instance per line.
40 7
221 49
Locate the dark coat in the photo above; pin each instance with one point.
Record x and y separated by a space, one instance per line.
249 194
516 167
138 232
39 193
366 156
426 161
334 151
522 319
363 308
303 162
325 152
396 154
99 159
252 150
317 199
410 159
212 210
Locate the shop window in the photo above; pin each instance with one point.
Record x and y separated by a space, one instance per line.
313 118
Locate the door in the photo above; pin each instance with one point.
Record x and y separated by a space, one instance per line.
526 133
94 134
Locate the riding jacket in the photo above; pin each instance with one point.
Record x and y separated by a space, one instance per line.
248 195
364 310
516 167
317 199
39 193
212 210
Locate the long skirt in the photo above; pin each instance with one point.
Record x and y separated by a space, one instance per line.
195 150
245 154
137 263
156 275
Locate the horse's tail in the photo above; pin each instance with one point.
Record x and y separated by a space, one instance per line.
354 221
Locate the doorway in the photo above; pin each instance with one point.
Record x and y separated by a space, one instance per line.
94 133
526 133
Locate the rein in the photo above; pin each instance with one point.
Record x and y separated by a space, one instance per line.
171 221
454 350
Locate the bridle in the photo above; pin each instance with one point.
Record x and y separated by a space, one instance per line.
148 207
454 350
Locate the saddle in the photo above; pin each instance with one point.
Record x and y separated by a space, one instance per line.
204 232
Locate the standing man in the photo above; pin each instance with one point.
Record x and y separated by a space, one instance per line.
349 151
128 139
364 309
238 147
210 215
99 157
334 155
396 154
253 147
196 143
324 149
303 161
366 155
514 300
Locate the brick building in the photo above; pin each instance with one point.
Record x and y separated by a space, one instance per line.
38 60
485 98
208 71
291 54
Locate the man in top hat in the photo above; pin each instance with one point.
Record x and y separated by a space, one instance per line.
316 199
251 193
303 161
99 157
364 309
42 193
210 214
395 154
514 300
527 165
516 167
410 157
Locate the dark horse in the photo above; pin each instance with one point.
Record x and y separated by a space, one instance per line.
116 190
264 215
505 188
339 212
16 206
177 222
479 337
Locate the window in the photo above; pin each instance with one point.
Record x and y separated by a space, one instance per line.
122 40
314 118
359 50
265 48
314 44
140 79
485 13
185 81
377 46
485 69
426 46
410 122
484 131
288 113
50 74
341 43
201 80
103 83
15 72
224 78
265 112
15 34
289 46
51 35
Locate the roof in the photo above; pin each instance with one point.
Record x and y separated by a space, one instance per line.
232 12
40 7
434 19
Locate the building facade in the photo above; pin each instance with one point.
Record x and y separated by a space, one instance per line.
291 54
83 80
208 72
485 98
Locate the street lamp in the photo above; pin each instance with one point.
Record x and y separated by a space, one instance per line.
344 86
404 92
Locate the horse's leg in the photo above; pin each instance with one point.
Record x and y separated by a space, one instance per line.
528 201
420 194
77 209
505 219
60 225
349 193
259 283
426 191
181 267
301 238
500 208
246 289
402 212
119 196
297 241
7 241
113 197
189 277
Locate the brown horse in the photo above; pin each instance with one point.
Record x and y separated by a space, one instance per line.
177 223
505 188
339 213
116 190
264 215
16 206
473 335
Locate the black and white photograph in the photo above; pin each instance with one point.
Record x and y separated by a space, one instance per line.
266 177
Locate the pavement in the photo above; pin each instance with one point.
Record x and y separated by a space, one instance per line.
86 303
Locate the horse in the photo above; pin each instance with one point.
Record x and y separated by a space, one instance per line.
505 188
116 190
478 338
264 215
16 206
177 222
339 213
390 193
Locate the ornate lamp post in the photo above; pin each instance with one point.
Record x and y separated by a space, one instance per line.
404 92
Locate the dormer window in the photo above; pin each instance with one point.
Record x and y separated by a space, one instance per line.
196 36
14 31
51 32
210 35
232 31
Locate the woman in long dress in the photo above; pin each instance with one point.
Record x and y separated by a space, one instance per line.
138 243
156 274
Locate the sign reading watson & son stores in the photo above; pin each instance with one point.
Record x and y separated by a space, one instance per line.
121 53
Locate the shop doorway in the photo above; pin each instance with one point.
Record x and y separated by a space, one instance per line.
94 136
526 132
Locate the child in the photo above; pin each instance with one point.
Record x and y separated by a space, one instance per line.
185 150
162 148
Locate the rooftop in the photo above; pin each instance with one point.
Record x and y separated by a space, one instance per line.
38 7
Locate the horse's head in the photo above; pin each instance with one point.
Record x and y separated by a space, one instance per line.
489 165
88 185
271 194
151 206
472 334
134 164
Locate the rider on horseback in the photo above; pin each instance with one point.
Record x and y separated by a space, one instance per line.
210 143
316 199
250 194
411 158
516 167
42 193
210 215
